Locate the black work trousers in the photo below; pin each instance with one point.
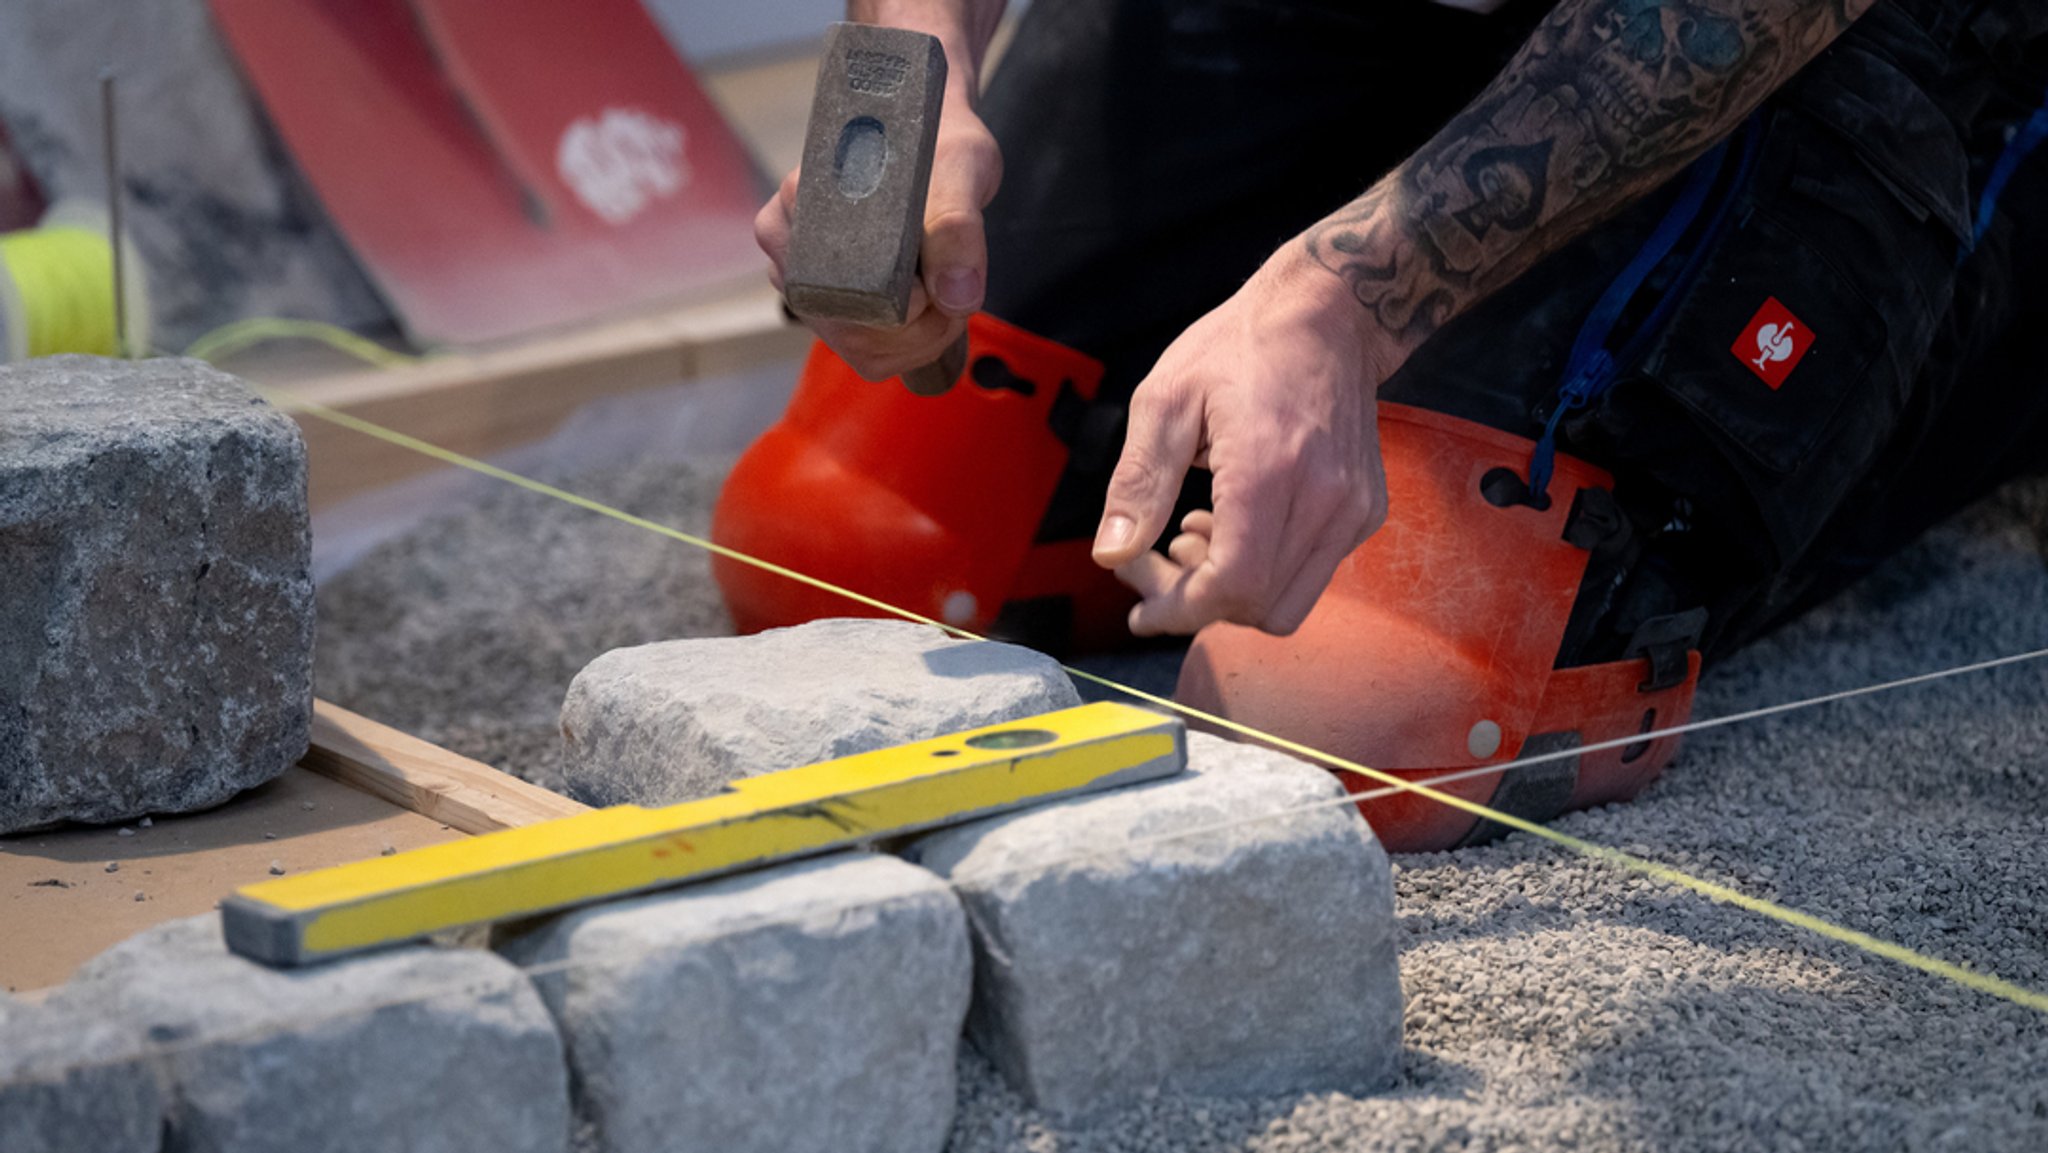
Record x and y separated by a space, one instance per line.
1158 150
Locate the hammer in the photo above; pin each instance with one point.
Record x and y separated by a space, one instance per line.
867 166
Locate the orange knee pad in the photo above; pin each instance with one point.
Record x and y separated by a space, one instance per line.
929 503
1432 650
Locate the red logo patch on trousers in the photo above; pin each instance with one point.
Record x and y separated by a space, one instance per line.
1773 343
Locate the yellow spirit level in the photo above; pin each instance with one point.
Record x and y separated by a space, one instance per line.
757 820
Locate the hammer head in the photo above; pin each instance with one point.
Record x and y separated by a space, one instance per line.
866 168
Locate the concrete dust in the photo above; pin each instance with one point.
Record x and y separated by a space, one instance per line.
1551 1002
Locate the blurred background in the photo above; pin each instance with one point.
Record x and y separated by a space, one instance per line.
470 220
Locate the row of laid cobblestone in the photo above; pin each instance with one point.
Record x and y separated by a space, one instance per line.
1091 952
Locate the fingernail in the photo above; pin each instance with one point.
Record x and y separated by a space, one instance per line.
959 289
1114 534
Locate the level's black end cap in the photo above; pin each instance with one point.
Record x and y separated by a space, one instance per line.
262 932
1169 765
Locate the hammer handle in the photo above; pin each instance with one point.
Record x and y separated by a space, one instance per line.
939 376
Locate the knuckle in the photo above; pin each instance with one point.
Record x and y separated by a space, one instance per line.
1295 453
1368 522
973 160
1373 516
768 225
1239 597
1281 624
1155 401
954 224
972 143
1329 489
1137 470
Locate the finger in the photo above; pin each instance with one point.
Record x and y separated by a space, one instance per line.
772 226
1164 431
1186 589
955 253
1175 604
1306 587
880 353
1358 514
1320 499
1191 546
1163 590
1151 575
1253 508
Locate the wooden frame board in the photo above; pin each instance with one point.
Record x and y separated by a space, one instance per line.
485 401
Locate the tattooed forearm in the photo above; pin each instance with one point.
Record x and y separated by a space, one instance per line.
1606 100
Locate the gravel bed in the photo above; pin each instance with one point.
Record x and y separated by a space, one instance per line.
1551 1003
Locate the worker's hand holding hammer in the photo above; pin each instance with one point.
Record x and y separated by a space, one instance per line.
966 169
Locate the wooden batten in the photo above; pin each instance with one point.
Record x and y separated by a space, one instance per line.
458 792
484 401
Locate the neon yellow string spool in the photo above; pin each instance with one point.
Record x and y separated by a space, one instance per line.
57 287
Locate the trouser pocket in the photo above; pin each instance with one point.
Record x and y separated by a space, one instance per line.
1796 349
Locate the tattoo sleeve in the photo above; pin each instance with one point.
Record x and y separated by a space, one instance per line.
1605 101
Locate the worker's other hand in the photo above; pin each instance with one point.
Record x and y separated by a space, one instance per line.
967 167
1274 392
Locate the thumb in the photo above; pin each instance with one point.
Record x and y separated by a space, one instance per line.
1158 449
955 254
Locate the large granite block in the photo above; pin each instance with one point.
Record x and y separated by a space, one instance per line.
71 1083
1152 939
421 1049
677 720
810 1007
156 598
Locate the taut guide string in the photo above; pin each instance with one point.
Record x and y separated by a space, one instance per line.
1877 946
1666 874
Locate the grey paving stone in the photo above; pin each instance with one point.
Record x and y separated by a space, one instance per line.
1250 960
224 225
813 1006
156 604
677 720
421 1049
71 1083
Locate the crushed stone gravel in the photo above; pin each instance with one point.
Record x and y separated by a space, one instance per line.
1552 1003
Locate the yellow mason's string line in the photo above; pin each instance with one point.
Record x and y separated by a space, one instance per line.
290 403
1877 946
1653 869
230 339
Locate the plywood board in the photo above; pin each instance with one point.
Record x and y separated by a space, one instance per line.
363 788
61 907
